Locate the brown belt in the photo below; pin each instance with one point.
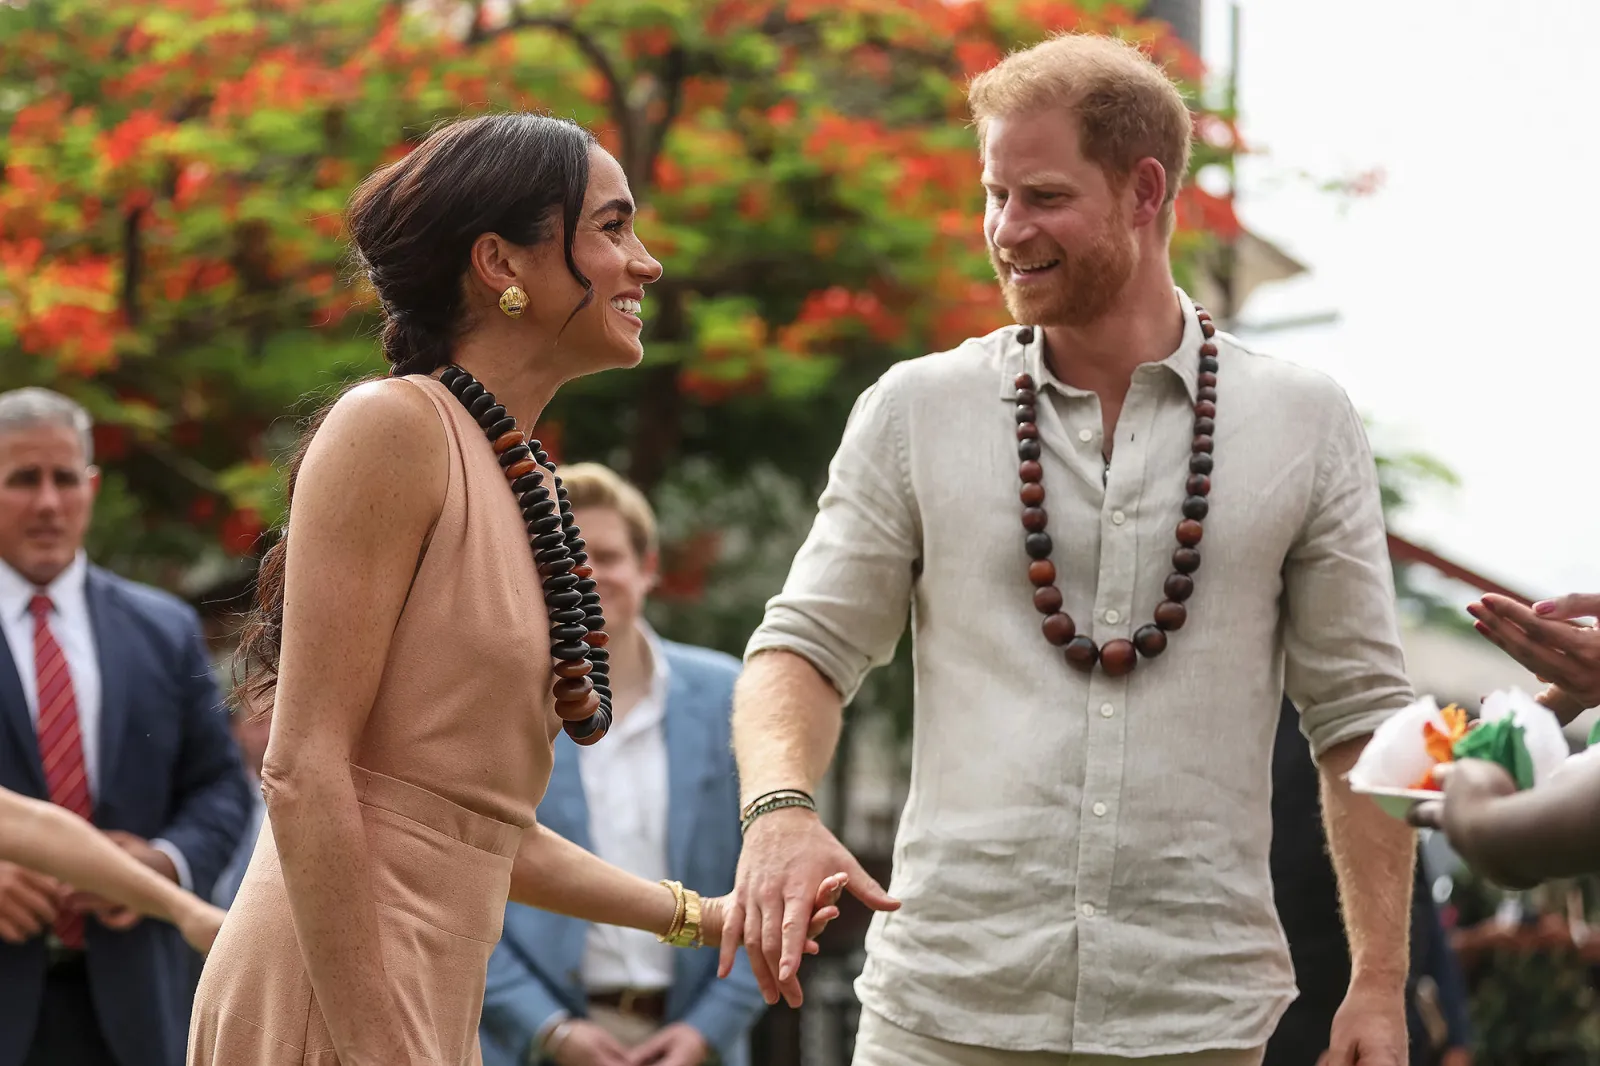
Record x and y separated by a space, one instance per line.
639 1003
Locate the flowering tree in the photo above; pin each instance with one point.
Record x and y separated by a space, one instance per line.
175 172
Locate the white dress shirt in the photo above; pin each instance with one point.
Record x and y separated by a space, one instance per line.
1083 858
74 632
625 785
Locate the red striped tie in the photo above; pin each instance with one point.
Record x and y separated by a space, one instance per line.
60 743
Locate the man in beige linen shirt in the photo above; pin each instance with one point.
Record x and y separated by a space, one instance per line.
1083 855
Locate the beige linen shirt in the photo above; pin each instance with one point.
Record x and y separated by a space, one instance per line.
1083 858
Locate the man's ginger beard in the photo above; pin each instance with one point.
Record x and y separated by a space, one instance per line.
1081 288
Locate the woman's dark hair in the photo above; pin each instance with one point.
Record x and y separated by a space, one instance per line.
412 225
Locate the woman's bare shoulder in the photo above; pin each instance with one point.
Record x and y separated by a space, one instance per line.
382 439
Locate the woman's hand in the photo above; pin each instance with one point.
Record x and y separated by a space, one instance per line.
1548 639
824 910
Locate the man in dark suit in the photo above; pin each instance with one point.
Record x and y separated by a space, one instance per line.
108 708
657 797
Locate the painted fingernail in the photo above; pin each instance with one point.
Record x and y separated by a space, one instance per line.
1544 607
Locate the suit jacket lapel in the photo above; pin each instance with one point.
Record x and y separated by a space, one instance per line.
687 739
112 653
14 709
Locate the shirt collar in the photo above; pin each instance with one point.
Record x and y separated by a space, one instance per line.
1029 358
660 669
17 592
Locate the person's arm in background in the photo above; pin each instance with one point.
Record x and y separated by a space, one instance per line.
53 841
519 1008
1515 838
1345 670
1547 640
1518 839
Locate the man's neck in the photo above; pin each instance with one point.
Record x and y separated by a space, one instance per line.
1144 326
632 671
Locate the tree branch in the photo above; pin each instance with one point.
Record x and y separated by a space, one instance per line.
676 70
132 265
567 28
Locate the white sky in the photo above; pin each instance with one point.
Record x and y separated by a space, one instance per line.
1460 285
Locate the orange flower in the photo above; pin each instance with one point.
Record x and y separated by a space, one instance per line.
1440 743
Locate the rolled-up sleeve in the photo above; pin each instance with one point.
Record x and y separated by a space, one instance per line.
1344 665
848 593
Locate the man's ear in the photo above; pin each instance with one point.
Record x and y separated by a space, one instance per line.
1148 184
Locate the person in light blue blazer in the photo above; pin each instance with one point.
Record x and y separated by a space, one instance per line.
658 797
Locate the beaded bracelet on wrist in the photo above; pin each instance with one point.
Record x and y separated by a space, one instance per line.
777 793
577 628
773 801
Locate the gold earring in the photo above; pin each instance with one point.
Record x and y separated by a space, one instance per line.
513 301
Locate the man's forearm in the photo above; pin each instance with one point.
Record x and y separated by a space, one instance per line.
786 721
1373 856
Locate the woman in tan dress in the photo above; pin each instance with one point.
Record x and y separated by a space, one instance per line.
405 634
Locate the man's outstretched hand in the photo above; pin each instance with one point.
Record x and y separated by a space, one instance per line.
787 865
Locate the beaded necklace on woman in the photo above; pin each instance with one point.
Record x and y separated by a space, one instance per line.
577 628
1117 657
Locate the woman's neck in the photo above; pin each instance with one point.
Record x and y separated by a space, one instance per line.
523 379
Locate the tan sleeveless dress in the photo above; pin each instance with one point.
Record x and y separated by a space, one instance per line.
454 759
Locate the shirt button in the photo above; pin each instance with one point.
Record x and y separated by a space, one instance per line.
1086 435
1099 810
1117 518
1088 910
1113 617
1106 710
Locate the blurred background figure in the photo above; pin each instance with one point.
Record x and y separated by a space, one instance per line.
107 708
1307 897
659 798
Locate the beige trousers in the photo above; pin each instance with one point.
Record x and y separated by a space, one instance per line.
879 1042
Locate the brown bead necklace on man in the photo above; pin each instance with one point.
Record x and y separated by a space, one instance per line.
1118 657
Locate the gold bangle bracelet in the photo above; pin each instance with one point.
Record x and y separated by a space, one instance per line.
680 908
685 929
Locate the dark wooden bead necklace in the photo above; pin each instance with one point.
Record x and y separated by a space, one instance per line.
1118 657
577 628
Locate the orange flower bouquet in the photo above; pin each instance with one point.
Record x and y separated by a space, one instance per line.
1396 766
1440 743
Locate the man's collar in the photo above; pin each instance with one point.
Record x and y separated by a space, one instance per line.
17 592
660 669
1024 353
